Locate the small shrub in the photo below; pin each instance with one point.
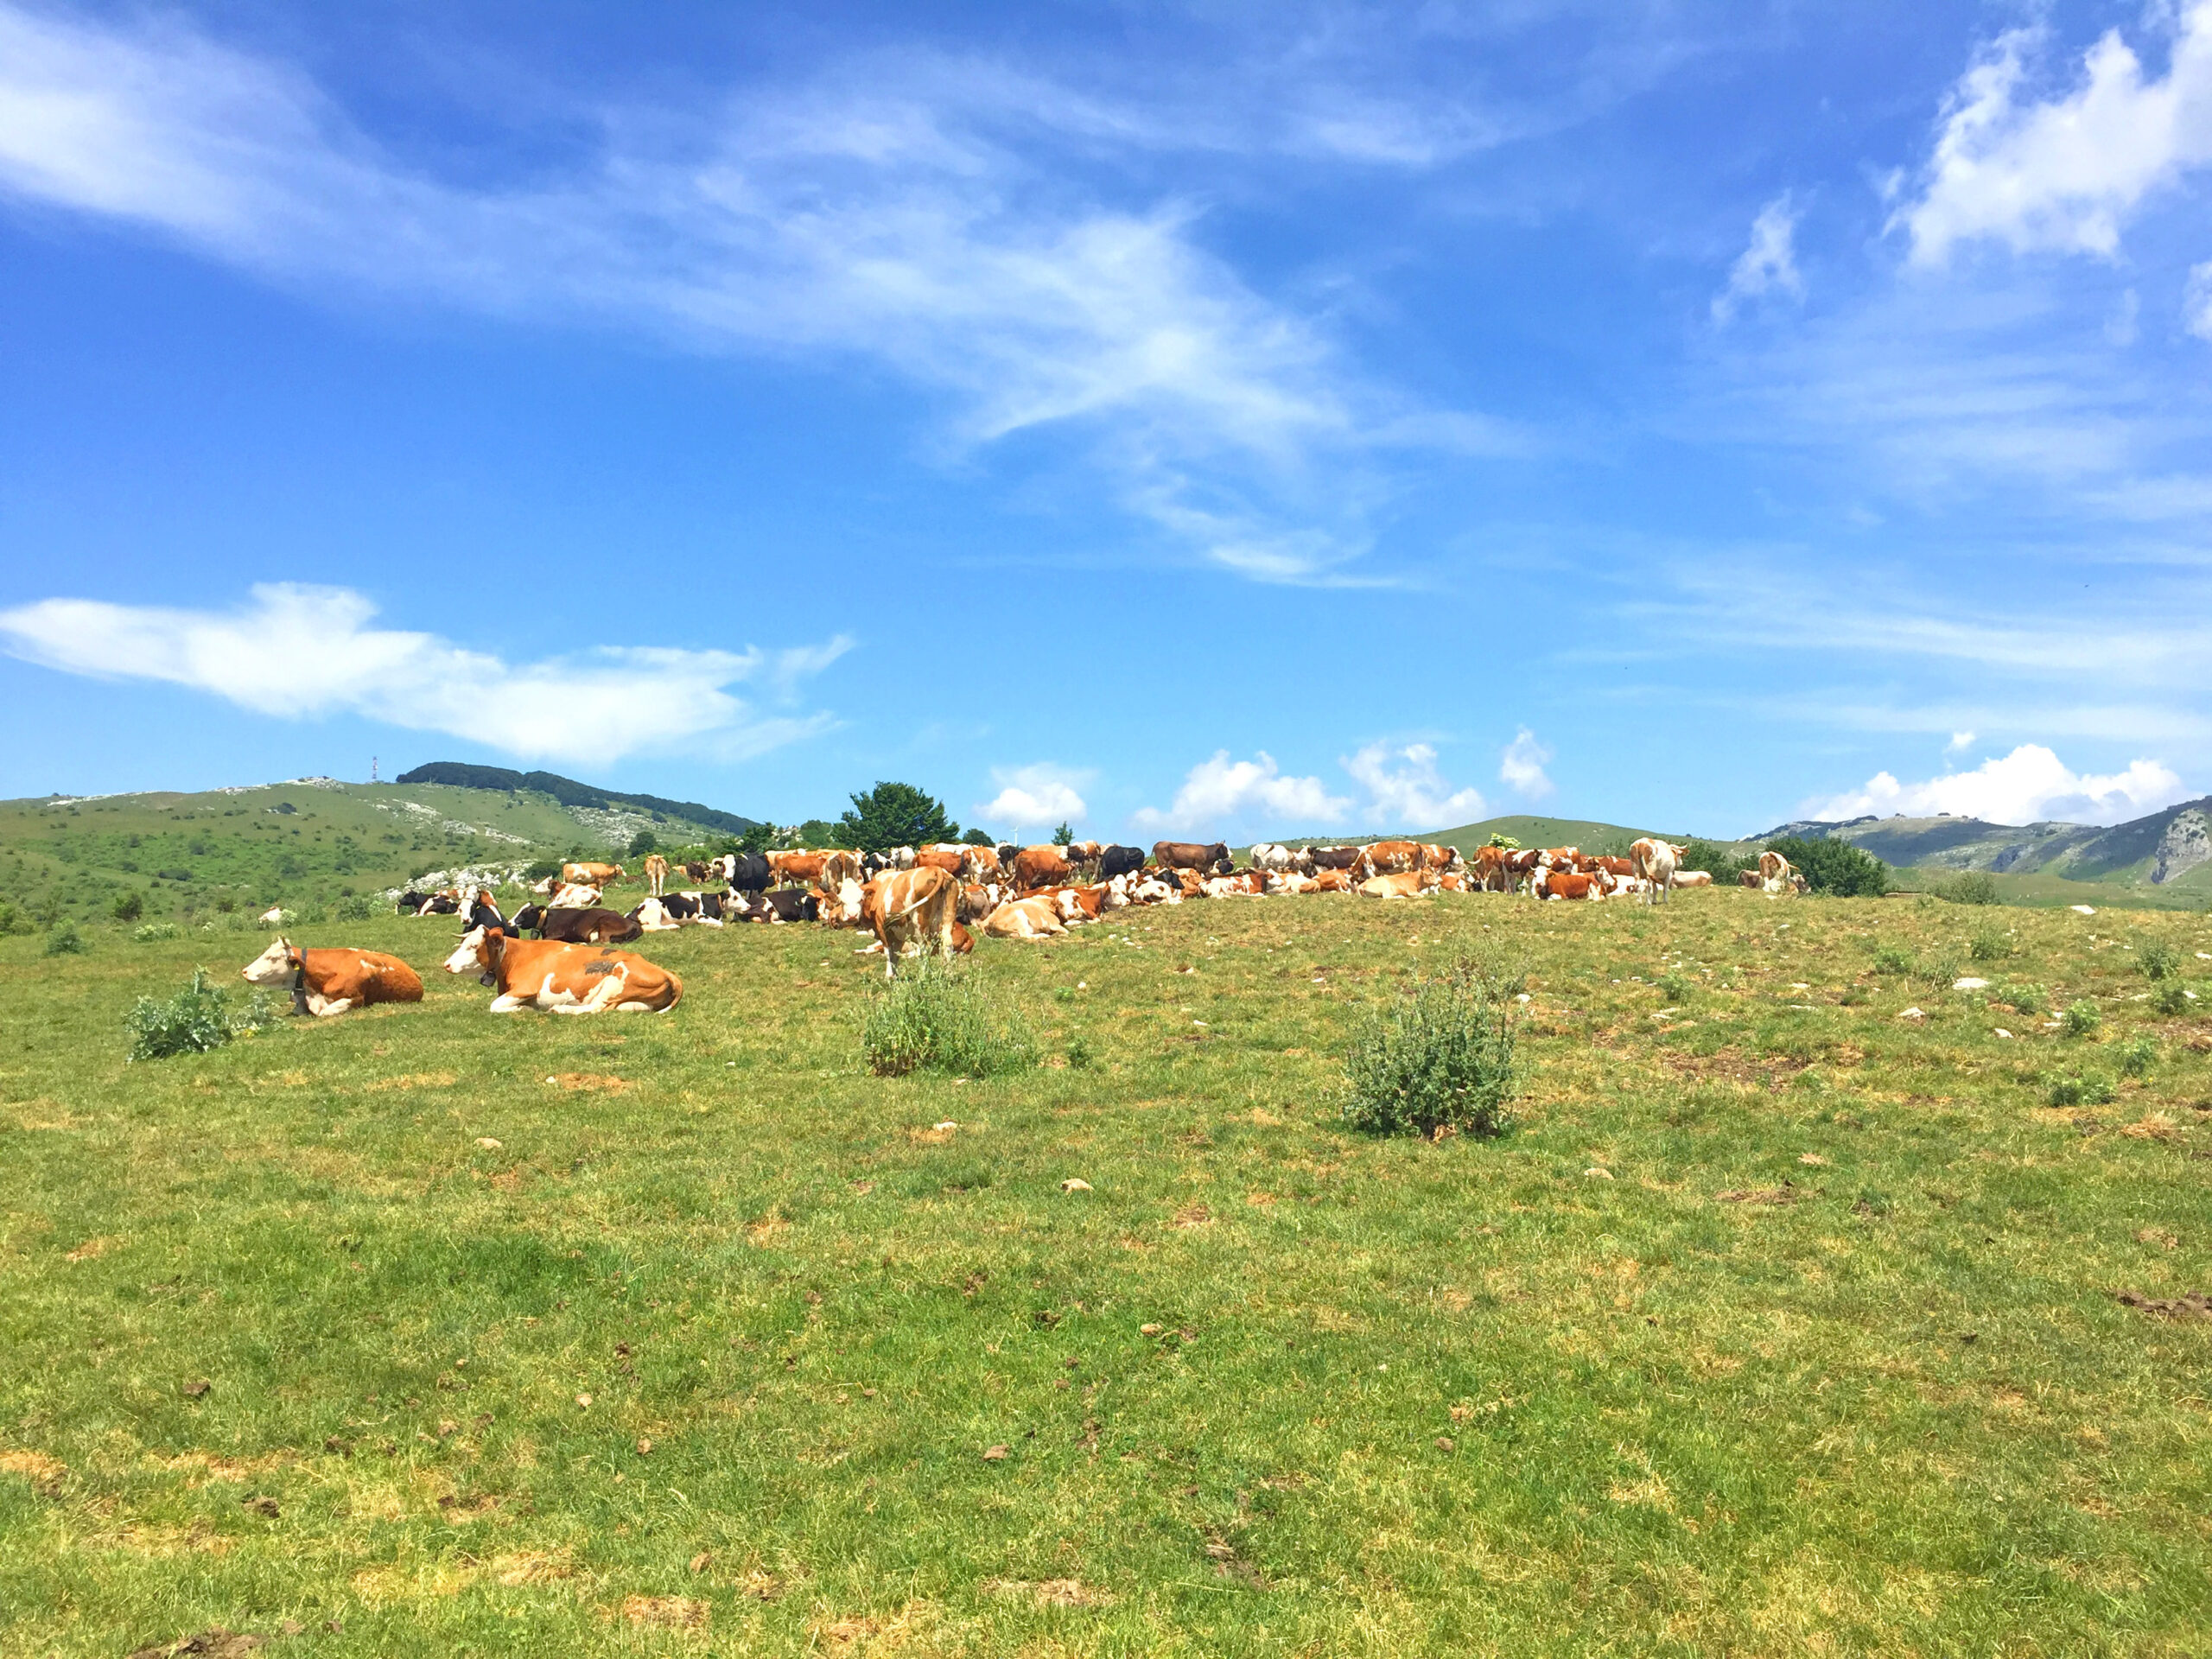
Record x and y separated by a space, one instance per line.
932 1018
1990 943
2157 959
354 908
2089 1089
129 905
1940 970
1442 1057
2139 1057
1673 987
1971 888
64 940
2170 997
1889 959
193 1021
1079 1056
2082 1019
2018 993
149 932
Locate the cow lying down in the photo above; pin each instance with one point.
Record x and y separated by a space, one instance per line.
564 978
324 982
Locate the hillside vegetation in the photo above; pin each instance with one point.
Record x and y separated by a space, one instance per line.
1774 1323
310 842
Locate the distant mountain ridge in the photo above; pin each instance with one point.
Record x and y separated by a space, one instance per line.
457 774
2160 848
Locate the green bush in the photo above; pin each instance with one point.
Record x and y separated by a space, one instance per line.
643 842
354 908
1891 959
933 1018
2086 1091
2139 1057
2082 1019
1441 1056
129 905
1835 868
1722 864
1079 1056
2018 993
1990 944
2170 997
1971 888
195 1019
64 940
149 933
2157 959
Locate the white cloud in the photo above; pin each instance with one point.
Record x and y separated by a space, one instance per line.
1961 741
903 211
2196 302
2064 173
301 653
1522 767
2027 786
1410 794
1769 263
1036 795
1219 794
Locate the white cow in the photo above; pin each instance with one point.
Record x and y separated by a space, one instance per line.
1654 861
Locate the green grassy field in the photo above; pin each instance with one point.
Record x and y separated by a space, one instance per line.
1777 1324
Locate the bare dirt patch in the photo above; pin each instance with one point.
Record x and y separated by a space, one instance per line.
2190 1305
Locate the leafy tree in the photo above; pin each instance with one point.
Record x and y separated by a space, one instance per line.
1717 861
820 832
130 906
643 842
895 815
758 839
978 838
1063 835
1836 866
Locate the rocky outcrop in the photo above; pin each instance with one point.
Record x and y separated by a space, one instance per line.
2186 844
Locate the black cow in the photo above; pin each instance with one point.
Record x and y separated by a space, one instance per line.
1006 850
411 902
484 913
441 903
1119 860
680 906
783 904
594 926
749 872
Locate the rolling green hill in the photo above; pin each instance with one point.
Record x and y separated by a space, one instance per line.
311 842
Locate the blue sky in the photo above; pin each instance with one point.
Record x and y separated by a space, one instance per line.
1238 419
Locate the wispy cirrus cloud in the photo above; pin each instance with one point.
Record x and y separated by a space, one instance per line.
298 652
911 215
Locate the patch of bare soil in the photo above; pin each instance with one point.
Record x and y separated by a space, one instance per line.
2190 1305
1786 1193
215 1642
602 1081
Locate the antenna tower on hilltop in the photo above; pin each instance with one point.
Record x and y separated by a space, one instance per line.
372 768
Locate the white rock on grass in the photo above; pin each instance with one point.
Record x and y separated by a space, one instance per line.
1969 983
1911 1013
2083 910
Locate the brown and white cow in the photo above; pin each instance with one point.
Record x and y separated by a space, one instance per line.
798 869
1404 884
914 911
979 864
1083 855
1692 878
564 978
1568 884
1332 882
327 981
1775 873
1350 860
656 873
1393 857
1655 861
592 876
574 896
1026 918
1040 867
951 860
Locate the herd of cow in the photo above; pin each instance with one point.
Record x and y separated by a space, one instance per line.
920 902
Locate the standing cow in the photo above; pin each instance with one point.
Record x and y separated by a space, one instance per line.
1190 855
913 908
1654 862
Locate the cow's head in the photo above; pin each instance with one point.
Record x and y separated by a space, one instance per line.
849 900
274 966
476 954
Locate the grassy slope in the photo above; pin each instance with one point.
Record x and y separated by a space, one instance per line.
1902 1413
353 837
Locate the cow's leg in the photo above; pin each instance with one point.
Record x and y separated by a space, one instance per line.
323 1007
508 1002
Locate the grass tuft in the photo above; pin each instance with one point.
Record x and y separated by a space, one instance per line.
2082 1088
2082 1019
1441 1058
934 1018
